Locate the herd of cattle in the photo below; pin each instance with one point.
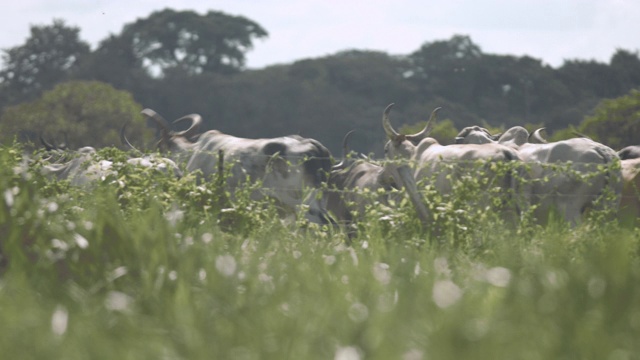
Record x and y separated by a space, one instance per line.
570 176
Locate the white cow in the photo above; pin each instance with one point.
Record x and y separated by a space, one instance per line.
82 168
442 165
286 165
569 175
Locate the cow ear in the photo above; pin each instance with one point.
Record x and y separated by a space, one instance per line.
277 163
275 147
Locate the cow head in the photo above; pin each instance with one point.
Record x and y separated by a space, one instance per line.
293 163
344 163
629 152
401 146
174 140
476 135
404 147
514 137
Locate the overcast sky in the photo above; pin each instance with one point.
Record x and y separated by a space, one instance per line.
551 30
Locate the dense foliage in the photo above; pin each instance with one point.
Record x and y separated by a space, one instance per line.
143 265
50 55
196 64
78 113
616 122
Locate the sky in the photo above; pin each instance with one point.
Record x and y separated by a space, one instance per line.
549 30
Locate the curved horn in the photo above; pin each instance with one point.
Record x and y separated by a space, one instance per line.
158 119
46 145
345 151
164 127
581 135
125 141
536 137
196 121
429 126
386 124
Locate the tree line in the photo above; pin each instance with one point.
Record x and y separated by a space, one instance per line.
181 62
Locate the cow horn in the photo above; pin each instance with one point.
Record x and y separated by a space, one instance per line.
536 137
196 121
124 140
46 145
345 150
581 135
386 124
158 119
429 126
163 124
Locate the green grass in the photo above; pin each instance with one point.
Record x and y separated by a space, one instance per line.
147 267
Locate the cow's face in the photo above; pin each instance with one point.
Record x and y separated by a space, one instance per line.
295 163
400 147
307 160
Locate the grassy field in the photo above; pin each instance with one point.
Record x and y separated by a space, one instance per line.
143 266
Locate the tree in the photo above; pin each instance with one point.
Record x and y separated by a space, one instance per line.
214 42
84 113
447 67
627 67
49 56
590 78
114 62
616 122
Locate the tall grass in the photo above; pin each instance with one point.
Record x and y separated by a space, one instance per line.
143 266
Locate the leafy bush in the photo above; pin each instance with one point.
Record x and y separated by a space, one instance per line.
78 113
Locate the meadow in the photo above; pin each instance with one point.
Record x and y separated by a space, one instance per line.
146 266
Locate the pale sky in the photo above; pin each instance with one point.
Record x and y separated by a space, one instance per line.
544 29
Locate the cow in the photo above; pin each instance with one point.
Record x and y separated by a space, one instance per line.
155 162
442 165
629 152
567 175
514 137
81 169
629 211
349 182
285 165
52 146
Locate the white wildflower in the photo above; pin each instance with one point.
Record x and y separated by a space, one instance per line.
226 265
446 293
59 320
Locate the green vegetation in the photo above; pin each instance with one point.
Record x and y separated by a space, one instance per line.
143 265
197 65
615 121
80 113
